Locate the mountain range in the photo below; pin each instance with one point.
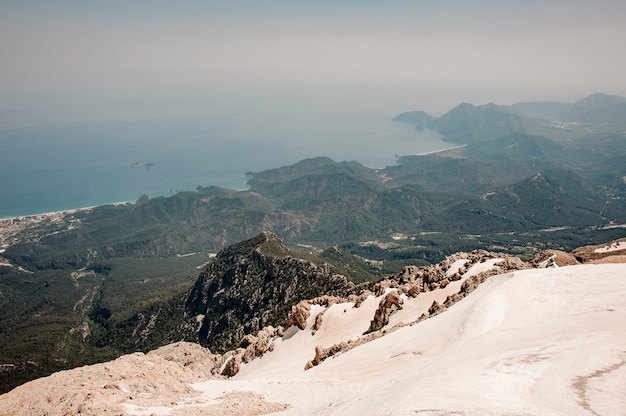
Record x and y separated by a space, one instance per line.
89 285
469 123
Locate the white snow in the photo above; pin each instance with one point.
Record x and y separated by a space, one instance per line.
620 245
456 266
541 341
549 262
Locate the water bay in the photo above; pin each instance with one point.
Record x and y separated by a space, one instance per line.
53 167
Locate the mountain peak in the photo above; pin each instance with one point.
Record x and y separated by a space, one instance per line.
469 123
250 285
599 98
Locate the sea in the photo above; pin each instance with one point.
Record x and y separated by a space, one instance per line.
56 166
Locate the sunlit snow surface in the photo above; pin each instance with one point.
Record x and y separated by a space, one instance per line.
542 341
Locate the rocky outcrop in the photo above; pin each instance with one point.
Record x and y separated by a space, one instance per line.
250 347
251 285
389 304
413 280
613 251
299 314
552 258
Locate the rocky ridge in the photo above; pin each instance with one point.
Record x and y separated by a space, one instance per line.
252 285
409 283
393 289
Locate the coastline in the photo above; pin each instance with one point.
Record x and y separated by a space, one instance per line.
45 214
62 212
434 152
12 229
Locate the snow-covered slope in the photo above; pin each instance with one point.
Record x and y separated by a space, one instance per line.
547 341
539 341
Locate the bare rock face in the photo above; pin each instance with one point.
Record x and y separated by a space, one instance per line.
299 314
318 321
251 285
259 344
232 367
436 308
389 304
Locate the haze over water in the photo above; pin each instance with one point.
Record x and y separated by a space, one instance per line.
105 101
59 166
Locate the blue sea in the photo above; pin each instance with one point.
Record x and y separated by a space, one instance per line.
59 166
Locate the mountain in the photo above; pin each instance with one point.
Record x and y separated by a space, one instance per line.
418 118
545 110
468 123
597 108
247 286
251 285
480 333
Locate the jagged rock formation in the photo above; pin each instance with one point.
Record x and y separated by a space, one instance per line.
411 281
393 289
251 285
390 303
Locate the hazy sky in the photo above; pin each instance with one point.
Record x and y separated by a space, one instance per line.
80 56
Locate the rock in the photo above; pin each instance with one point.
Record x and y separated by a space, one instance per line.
408 274
318 321
452 299
389 304
456 276
436 308
299 314
358 299
512 263
280 331
231 368
414 291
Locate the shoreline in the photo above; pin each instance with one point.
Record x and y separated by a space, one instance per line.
443 150
62 212
13 229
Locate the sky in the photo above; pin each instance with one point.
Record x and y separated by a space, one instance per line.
72 60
